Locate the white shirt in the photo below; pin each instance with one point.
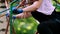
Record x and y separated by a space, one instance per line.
46 7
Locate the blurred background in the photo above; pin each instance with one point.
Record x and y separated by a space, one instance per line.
21 26
3 22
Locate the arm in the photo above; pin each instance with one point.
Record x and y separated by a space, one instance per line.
24 15
30 8
33 7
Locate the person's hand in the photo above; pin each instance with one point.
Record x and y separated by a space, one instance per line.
14 17
16 11
23 15
7 14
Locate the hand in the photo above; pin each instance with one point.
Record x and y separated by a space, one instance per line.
14 17
23 15
7 15
16 11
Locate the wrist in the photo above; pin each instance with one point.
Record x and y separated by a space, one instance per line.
19 10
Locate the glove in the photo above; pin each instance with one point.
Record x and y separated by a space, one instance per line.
14 17
7 15
16 11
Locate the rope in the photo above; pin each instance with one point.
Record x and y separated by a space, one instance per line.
4 10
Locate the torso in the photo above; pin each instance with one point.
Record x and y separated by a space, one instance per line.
44 12
46 7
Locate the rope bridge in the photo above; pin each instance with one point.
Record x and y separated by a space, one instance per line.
10 18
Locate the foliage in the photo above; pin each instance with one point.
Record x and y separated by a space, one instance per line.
57 5
25 26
